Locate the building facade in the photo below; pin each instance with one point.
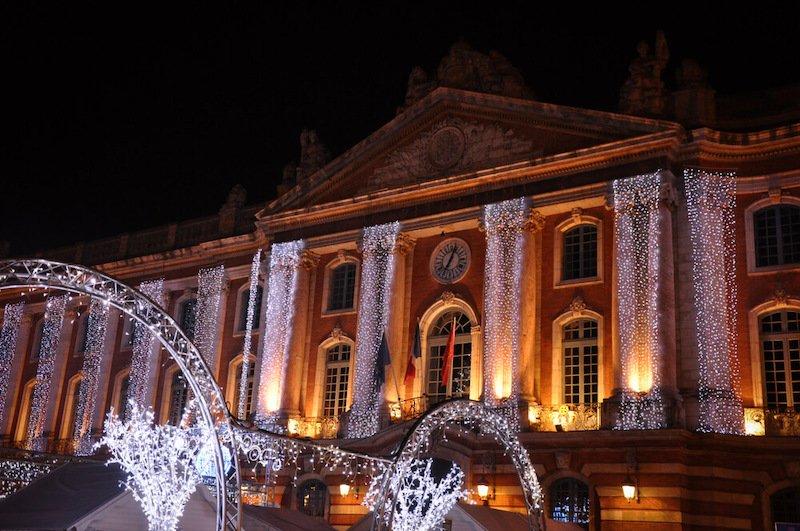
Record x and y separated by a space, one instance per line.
625 287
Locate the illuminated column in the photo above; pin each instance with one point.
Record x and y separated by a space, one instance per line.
638 226
503 224
476 388
87 393
377 268
290 401
710 203
48 370
12 319
530 306
278 325
666 295
143 375
398 328
105 381
211 283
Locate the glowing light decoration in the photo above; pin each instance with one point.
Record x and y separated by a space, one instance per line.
377 271
421 502
160 462
12 314
636 204
248 334
144 342
279 318
710 201
51 332
210 283
90 373
503 224
459 418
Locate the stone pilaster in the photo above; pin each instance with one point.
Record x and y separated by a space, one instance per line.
530 304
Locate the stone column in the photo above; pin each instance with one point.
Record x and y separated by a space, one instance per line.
399 316
530 326
57 382
290 401
476 379
105 380
14 383
666 297
258 347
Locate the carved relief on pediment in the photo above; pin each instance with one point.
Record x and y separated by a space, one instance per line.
450 146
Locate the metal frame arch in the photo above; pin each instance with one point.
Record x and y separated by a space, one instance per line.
474 414
26 273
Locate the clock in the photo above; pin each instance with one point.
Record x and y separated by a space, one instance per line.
450 260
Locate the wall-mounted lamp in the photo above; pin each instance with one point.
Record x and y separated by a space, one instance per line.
630 487
344 489
483 489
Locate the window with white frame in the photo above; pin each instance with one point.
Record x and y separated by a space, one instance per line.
251 381
780 352
337 379
244 302
178 396
342 287
777 235
579 344
189 317
569 502
457 383
579 253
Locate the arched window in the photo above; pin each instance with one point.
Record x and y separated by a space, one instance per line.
337 379
579 344
251 381
785 505
189 316
569 502
25 411
780 350
342 287
579 255
312 497
458 380
244 302
178 395
777 235
71 411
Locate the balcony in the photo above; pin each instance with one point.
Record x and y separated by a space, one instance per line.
564 417
773 422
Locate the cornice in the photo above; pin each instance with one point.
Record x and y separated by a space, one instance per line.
476 182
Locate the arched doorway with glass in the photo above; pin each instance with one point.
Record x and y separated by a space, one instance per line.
449 376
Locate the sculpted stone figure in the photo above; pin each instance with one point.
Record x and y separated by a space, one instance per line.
644 93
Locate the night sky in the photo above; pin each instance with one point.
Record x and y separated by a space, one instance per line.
123 118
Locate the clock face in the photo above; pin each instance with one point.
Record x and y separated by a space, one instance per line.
450 260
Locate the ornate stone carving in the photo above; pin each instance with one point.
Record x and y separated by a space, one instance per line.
404 243
447 297
535 222
667 195
577 215
644 93
308 260
577 306
467 69
337 333
780 297
450 145
563 459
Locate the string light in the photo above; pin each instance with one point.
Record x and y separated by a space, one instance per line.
51 332
143 343
248 334
377 271
209 287
279 319
160 462
12 314
711 199
503 223
90 373
636 221
421 503
16 474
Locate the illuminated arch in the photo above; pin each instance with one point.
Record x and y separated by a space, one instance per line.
214 414
471 414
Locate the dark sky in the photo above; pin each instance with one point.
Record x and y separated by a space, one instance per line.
123 118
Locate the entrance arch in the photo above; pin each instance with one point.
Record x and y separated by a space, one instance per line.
473 415
211 403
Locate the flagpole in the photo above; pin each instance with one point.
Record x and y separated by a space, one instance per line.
394 375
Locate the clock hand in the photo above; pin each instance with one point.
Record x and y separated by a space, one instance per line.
452 255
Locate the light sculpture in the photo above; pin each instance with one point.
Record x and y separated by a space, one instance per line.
90 374
12 315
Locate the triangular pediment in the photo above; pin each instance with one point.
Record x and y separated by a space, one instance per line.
457 133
